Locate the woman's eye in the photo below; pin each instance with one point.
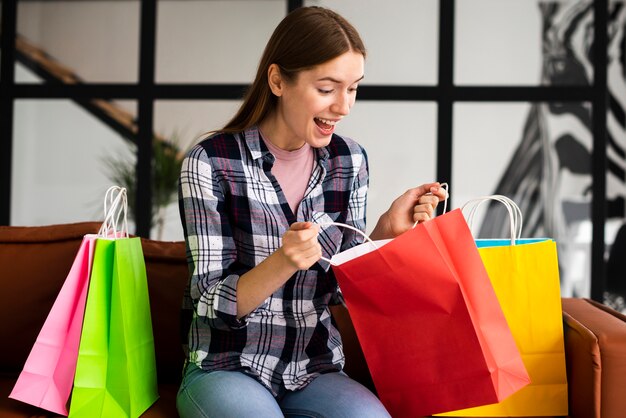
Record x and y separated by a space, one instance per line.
352 90
324 91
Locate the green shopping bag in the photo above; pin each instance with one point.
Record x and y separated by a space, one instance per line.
116 367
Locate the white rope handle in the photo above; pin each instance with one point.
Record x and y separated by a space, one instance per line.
110 197
348 227
342 225
445 205
445 202
518 219
515 214
118 202
114 201
121 210
116 197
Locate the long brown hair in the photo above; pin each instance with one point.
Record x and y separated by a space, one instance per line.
306 37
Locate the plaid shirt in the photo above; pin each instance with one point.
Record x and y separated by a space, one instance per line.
234 214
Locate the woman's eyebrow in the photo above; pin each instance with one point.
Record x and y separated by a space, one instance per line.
334 80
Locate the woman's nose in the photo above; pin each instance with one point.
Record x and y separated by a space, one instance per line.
343 104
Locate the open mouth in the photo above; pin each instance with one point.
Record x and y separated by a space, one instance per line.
327 126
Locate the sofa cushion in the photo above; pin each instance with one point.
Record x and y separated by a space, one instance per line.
595 338
35 262
47 253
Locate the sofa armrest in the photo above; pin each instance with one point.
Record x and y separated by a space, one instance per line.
595 349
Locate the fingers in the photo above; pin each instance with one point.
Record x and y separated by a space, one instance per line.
420 217
427 203
428 200
425 211
440 192
298 226
304 231
424 188
300 245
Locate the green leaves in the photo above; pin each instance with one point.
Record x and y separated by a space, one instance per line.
167 158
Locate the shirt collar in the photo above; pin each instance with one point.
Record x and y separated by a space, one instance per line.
252 140
258 149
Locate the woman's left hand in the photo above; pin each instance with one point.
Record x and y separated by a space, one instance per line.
415 205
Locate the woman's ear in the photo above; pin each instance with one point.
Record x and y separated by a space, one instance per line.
275 80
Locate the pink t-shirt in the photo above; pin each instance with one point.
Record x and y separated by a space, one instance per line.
293 170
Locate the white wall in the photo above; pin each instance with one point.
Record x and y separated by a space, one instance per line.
221 41
57 174
497 42
213 41
401 37
98 39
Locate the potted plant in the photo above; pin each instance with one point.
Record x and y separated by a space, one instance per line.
167 158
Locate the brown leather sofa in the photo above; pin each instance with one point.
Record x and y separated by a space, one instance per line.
34 262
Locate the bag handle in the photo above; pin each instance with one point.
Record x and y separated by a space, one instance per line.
116 197
515 214
342 225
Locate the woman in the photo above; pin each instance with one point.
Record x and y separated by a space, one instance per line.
261 339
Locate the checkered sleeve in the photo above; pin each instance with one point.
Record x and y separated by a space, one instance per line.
211 250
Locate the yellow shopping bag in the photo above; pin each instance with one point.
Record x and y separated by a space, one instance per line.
525 276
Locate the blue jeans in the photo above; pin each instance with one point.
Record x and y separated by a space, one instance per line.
224 394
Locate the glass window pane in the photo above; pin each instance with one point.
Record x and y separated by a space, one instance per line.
181 124
89 41
401 37
26 75
521 42
538 154
615 231
190 119
213 41
59 170
399 158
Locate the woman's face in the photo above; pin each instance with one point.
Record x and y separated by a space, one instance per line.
311 105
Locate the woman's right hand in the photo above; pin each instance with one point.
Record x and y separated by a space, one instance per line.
300 250
300 246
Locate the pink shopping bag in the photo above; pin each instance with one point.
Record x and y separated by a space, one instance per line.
47 378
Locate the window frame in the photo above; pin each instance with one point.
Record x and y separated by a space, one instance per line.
445 93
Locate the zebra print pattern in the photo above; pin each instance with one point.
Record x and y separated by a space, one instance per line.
550 174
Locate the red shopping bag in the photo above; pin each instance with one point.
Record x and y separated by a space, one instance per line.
429 322
48 374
